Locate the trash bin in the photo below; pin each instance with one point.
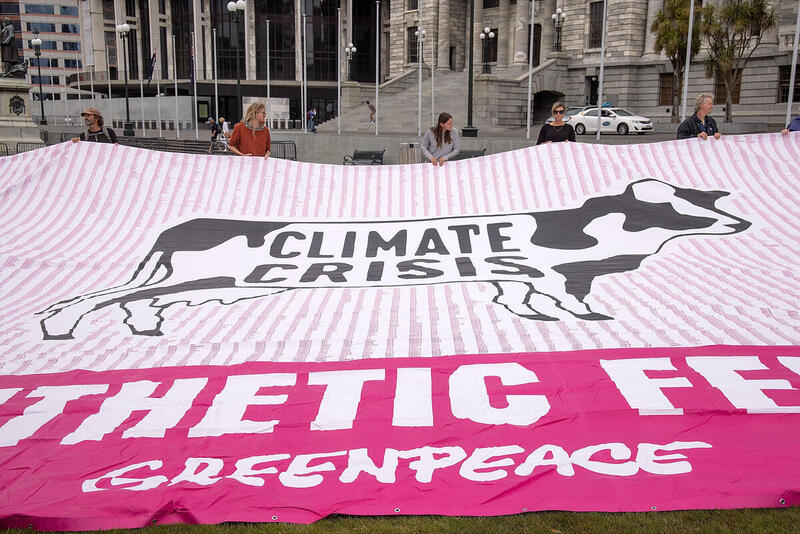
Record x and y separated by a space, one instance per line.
410 153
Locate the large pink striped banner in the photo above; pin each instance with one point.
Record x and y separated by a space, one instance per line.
578 327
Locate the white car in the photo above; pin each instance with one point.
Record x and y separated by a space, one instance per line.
612 120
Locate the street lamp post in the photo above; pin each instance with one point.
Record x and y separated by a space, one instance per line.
485 36
37 51
420 33
235 8
123 30
558 21
350 50
469 130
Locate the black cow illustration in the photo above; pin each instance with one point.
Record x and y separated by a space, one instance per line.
541 263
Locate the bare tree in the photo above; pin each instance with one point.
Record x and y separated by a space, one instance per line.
733 33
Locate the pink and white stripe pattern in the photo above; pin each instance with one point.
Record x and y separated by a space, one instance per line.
75 218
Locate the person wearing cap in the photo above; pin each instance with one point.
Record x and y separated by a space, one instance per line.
95 131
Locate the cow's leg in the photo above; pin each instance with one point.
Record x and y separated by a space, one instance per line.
517 297
553 288
60 323
149 273
143 317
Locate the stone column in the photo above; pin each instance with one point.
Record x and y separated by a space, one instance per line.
250 42
298 40
521 20
653 7
443 52
505 34
477 48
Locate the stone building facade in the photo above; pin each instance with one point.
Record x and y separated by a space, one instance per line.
186 35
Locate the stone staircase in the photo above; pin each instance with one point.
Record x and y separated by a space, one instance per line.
398 106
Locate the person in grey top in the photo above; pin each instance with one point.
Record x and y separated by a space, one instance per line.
441 142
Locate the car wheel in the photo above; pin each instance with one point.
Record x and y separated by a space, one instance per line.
622 129
580 129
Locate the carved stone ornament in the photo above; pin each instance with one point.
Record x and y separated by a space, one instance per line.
16 105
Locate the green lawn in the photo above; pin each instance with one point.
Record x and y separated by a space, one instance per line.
766 521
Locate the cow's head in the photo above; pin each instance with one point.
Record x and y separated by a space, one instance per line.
649 210
690 211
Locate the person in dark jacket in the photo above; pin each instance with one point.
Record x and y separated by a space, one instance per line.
794 126
559 130
700 124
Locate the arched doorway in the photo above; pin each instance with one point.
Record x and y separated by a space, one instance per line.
542 102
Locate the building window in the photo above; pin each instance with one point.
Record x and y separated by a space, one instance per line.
44 62
9 9
720 94
596 24
411 5
45 96
183 26
144 28
665 89
490 48
783 84
164 53
44 80
46 45
70 28
537 43
41 26
73 64
72 45
321 40
133 55
162 7
111 46
69 10
39 9
488 4
411 39
281 39
108 10
230 40
130 8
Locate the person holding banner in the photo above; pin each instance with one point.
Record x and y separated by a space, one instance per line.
559 130
700 124
441 142
95 131
251 136
794 126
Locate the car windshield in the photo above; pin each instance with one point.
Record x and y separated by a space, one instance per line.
622 112
573 111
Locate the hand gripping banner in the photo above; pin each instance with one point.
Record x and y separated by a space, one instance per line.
578 327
